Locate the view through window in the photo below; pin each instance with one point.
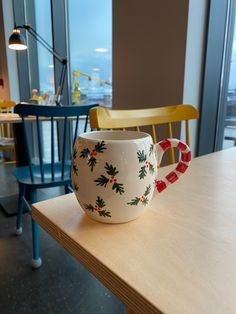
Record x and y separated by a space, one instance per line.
46 68
90 42
230 103
45 58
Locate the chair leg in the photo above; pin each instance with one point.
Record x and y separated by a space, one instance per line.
20 209
36 261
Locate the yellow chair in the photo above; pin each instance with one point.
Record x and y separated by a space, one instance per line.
105 118
7 142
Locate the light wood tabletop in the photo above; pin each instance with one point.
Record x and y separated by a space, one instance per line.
178 257
10 118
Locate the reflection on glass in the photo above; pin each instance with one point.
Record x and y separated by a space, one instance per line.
45 58
230 118
90 27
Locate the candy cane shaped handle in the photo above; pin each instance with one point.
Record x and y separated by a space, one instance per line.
181 167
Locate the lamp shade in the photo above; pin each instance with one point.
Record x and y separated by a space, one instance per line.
17 40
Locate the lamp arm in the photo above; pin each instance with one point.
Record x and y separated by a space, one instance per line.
63 61
43 42
62 79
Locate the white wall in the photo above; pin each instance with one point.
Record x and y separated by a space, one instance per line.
194 60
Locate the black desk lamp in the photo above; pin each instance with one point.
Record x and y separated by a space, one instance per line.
17 42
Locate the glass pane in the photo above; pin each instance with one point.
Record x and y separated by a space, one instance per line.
45 58
90 28
230 113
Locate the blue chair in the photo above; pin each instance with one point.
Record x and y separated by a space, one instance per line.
46 169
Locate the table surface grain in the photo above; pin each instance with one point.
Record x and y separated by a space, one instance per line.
178 257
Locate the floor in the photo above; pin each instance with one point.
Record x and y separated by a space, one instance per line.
61 285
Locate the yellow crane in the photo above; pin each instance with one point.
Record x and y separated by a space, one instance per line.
76 92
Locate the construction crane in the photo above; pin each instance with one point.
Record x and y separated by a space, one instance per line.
76 92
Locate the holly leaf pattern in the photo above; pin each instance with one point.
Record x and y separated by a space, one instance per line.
141 156
74 154
84 153
102 180
151 149
100 202
89 207
104 213
143 199
148 190
90 155
97 208
118 187
142 172
75 169
100 147
151 169
76 188
92 162
134 201
111 171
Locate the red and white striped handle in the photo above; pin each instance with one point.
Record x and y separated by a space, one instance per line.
181 167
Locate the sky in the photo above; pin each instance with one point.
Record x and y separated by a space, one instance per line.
90 27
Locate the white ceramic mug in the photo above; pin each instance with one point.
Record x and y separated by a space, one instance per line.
114 173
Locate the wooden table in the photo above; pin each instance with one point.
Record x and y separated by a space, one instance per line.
20 147
179 257
10 118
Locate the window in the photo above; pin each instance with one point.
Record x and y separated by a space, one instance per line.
45 58
229 102
90 41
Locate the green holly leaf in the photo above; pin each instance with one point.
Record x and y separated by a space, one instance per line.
84 153
142 172
151 149
141 156
75 169
104 213
89 207
134 201
74 154
92 162
100 202
111 171
118 187
76 188
100 147
151 169
102 180
148 190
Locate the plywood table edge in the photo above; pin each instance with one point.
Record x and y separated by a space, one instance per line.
132 299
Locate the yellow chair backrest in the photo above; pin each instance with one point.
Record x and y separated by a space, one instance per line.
105 118
6 107
5 128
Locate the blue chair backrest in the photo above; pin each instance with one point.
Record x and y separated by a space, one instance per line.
62 127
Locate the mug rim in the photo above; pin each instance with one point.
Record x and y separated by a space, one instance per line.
132 136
